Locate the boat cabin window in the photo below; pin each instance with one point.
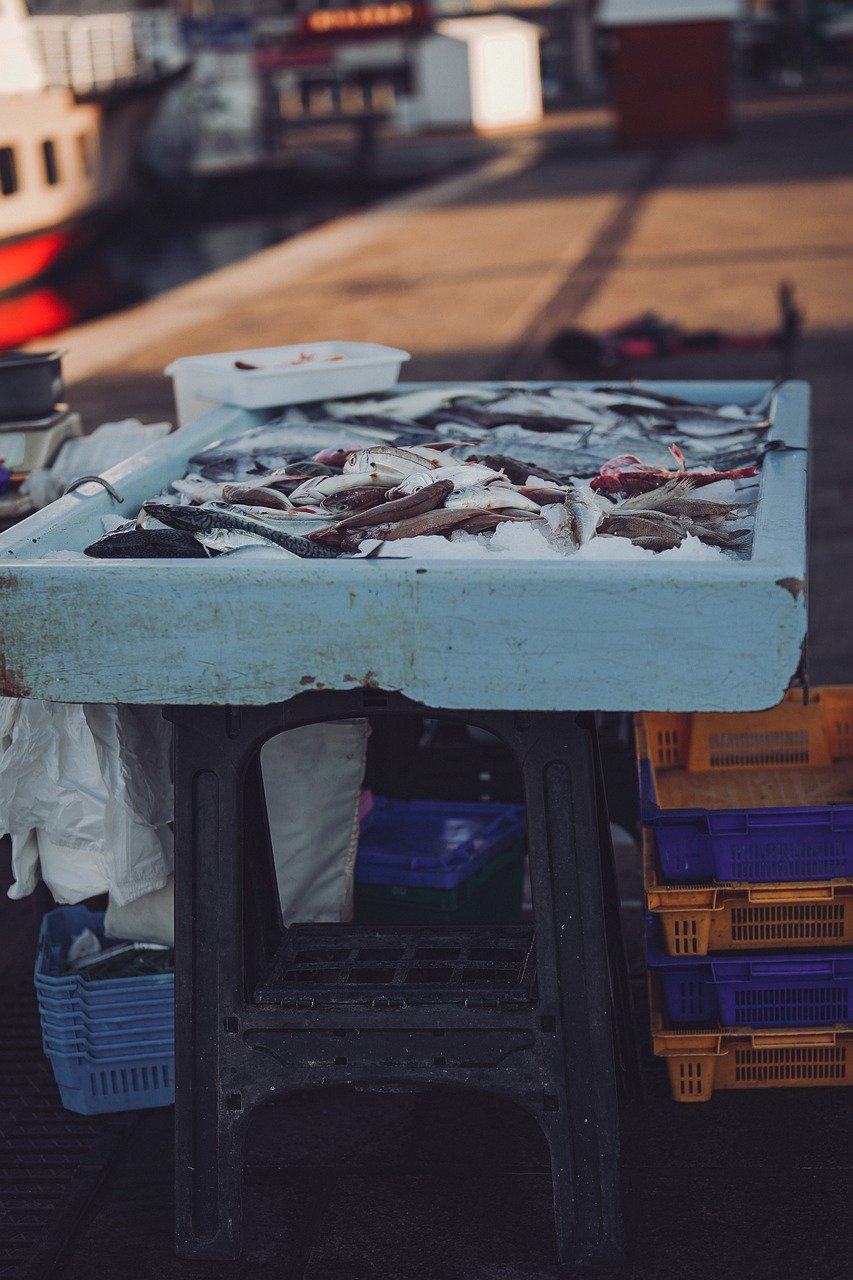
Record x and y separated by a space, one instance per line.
51 165
86 150
8 171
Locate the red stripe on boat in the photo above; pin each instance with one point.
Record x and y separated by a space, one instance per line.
22 261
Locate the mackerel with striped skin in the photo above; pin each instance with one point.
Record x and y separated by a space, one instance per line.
215 515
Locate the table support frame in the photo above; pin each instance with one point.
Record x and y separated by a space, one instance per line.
566 1054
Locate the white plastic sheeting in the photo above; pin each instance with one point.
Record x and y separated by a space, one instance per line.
312 780
94 454
86 794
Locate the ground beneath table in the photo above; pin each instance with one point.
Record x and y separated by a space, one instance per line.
435 1186
441 1186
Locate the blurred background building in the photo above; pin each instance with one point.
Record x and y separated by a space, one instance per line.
120 106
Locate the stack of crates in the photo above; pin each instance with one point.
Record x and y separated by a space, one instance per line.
110 1041
440 862
748 871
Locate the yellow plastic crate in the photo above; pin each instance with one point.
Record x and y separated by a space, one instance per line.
696 919
699 1062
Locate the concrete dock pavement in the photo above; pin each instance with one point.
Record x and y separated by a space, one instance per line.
474 274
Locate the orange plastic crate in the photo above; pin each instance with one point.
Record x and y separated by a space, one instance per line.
699 1062
696 919
722 759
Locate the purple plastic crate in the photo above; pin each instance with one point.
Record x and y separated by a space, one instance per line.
784 990
814 843
433 844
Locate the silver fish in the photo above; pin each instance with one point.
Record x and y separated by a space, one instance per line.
312 492
584 513
388 463
463 476
197 489
493 497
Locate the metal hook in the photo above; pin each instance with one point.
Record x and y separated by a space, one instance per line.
75 484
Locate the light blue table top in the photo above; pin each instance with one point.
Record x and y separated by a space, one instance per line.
551 635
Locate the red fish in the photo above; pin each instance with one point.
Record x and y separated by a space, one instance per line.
628 475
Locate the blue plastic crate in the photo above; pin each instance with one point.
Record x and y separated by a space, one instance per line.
111 1041
87 1038
59 1024
94 1086
432 844
58 929
754 845
795 989
88 1005
110 1047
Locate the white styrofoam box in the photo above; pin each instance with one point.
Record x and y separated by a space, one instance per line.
334 370
616 13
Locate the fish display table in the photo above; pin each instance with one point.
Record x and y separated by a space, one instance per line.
652 634
238 650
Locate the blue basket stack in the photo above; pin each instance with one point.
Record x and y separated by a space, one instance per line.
111 1041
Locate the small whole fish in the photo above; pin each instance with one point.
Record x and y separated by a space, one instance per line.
493 497
439 521
403 406
256 496
544 494
313 491
413 504
388 462
335 457
680 498
358 499
583 513
640 528
487 521
464 476
212 516
197 489
435 457
287 478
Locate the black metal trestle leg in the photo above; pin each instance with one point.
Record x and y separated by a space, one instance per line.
244 1036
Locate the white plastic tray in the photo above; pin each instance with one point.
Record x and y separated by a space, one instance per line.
335 370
